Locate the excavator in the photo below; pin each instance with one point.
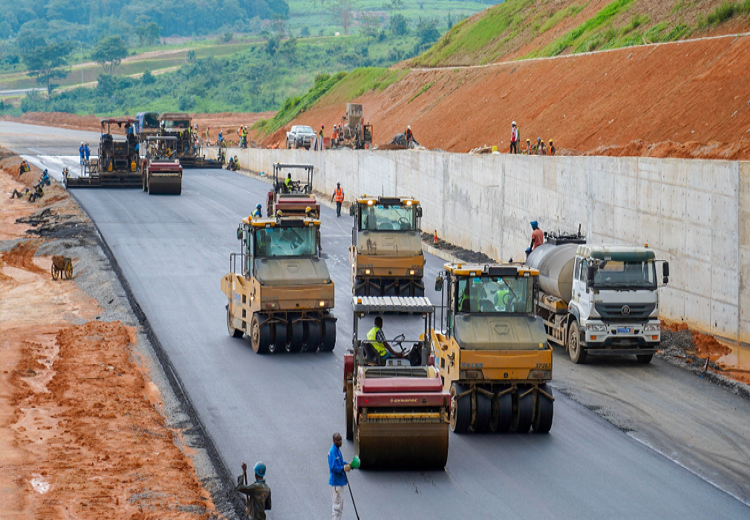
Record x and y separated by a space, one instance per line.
492 351
279 291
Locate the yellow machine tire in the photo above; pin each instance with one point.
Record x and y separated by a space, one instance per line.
502 411
482 413
523 410
460 416
576 352
349 406
543 410
235 333
297 338
278 344
329 336
260 337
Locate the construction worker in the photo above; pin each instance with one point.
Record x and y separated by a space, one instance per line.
38 192
539 148
469 300
537 236
220 138
244 137
23 168
552 148
20 194
82 153
528 146
87 152
338 196
258 211
377 340
337 480
409 136
258 493
320 139
288 182
514 138
208 139
44 179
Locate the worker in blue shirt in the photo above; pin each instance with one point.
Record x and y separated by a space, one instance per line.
82 153
337 480
86 152
258 211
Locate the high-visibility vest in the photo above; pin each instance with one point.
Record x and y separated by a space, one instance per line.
339 195
288 182
371 337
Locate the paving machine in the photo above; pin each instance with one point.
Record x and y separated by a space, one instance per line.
293 197
386 253
396 410
117 163
492 352
354 132
186 146
280 294
598 299
161 173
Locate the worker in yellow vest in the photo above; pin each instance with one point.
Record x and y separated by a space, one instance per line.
376 337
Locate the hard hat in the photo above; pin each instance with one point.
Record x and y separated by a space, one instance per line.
534 223
81 143
45 170
322 126
528 140
408 126
278 213
513 123
538 138
260 469
308 209
550 140
259 206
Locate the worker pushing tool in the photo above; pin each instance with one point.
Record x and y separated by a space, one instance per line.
338 468
258 493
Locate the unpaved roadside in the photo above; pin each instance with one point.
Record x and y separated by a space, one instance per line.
89 425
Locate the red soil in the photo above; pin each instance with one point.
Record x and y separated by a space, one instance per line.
685 99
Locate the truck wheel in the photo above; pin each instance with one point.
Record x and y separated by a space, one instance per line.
460 409
523 410
329 336
279 338
502 412
297 341
235 333
260 337
576 352
349 405
644 358
543 410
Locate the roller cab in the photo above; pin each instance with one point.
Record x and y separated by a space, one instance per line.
292 192
492 350
279 290
396 410
386 254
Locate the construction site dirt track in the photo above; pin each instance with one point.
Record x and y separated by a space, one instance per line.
686 99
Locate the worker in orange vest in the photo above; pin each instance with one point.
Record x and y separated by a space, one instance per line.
338 196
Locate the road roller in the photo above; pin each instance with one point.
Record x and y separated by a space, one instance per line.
386 253
492 351
279 290
161 172
396 409
292 194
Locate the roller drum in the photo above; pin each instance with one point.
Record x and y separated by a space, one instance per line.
164 185
402 445
555 264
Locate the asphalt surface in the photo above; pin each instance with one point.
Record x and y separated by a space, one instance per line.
282 409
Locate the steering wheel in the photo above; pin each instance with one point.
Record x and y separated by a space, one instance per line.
506 299
398 340
403 220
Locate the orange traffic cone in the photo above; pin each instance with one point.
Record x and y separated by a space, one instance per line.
435 238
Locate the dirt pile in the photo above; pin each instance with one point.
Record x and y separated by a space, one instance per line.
82 428
685 99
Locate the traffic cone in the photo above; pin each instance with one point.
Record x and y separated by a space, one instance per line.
435 238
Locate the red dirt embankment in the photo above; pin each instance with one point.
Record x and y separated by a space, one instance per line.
684 99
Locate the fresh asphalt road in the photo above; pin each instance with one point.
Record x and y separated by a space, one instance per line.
282 409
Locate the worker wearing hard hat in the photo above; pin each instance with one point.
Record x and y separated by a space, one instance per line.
539 148
258 493
528 146
258 211
552 148
515 136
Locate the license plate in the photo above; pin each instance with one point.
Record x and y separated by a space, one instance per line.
624 330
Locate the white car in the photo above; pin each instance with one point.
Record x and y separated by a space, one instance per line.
300 136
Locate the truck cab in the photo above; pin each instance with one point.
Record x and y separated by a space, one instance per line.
615 300
386 252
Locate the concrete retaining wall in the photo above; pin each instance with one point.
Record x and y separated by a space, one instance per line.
694 213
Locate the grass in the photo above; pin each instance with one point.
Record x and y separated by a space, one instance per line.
421 91
559 16
724 12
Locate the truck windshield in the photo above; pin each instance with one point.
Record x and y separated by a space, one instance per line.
387 218
305 130
633 275
283 242
495 294
176 125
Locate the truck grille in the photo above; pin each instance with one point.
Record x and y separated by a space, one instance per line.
624 311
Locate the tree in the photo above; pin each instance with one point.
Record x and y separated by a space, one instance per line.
369 25
343 10
449 21
398 25
427 30
288 49
305 32
272 45
148 33
48 61
147 78
109 53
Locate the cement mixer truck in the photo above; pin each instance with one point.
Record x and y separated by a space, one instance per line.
598 299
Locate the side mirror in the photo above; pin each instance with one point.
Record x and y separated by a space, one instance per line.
665 272
352 210
439 284
239 233
419 211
